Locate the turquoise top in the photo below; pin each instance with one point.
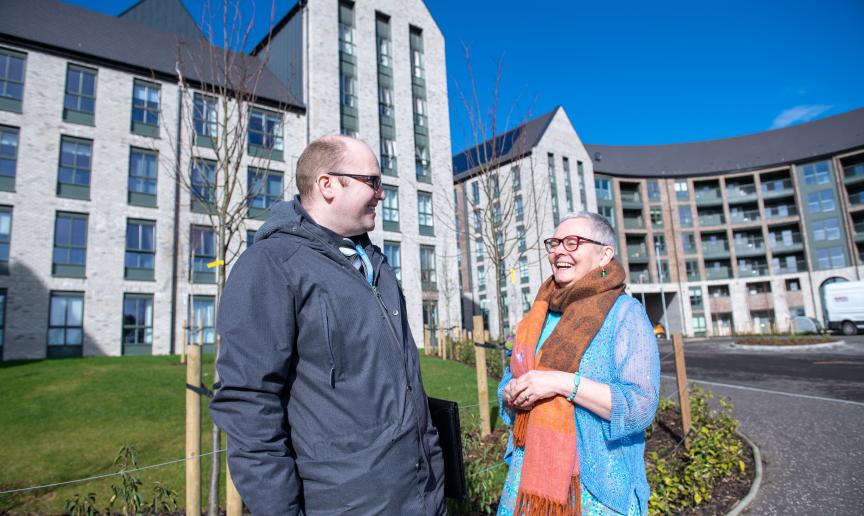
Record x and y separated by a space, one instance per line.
624 356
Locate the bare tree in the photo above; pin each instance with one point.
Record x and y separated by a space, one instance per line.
225 143
507 196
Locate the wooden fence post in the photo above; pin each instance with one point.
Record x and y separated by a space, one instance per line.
683 393
482 379
427 341
233 503
193 429
183 344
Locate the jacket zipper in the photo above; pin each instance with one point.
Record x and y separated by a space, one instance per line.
392 329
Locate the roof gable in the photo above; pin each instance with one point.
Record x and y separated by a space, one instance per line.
164 15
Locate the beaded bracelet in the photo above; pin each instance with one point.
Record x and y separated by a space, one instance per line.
577 378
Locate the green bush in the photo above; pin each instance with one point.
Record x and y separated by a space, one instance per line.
485 470
685 478
463 352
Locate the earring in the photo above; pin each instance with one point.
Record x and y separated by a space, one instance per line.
603 272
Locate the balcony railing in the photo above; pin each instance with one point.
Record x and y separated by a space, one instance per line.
744 248
780 210
715 273
711 220
634 223
753 270
741 193
776 188
780 244
716 248
784 267
631 198
856 199
742 217
708 196
853 173
637 253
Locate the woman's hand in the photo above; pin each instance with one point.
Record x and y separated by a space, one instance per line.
534 386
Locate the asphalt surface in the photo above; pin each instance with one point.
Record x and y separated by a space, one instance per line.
803 407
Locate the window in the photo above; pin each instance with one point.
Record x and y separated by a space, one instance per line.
346 28
793 285
523 269
603 188
685 216
553 187
820 201
420 113
390 208
430 316
265 134
796 311
695 298
424 213
692 267
70 245
265 190
481 277
5 238
608 212
73 176
137 324
203 191
384 53
393 253
568 184
416 44
520 208
79 102
2 319
580 170
145 109
688 242
660 244
204 119
830 258
388 157
656 217
348 90
385 102
828 229
250 237
479 250
8 157
682 192
475 192
428 274
699 326
421 163
140 249
203 316
817 173
522 241
66 323
11 80
653 191
203 250
526 299
517 177
761 287
718 291
142 177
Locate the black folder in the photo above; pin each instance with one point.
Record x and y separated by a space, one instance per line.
445 418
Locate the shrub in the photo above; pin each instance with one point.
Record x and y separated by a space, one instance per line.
484 470
686 477
463 352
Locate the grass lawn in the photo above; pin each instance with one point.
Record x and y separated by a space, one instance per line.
66 419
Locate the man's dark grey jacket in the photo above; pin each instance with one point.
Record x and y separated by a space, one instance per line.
320 391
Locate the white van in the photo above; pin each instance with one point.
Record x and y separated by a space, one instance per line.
844 303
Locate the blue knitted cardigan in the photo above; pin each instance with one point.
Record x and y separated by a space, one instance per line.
624 356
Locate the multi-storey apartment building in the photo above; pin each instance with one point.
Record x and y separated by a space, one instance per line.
102 252
511 192
733 235
740 234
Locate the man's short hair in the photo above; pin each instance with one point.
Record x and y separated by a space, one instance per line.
320 157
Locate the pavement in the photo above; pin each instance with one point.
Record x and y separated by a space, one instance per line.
803 408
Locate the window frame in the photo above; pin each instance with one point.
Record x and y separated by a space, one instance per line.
73 189
13 101
142 343
140 272
259 204
65 348
198 253
7 180
138 185
424 216
68 268
145 111
271 141
79 114
390 208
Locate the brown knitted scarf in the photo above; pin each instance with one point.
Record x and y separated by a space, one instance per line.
550 471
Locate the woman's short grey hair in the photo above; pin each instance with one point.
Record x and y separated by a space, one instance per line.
601 229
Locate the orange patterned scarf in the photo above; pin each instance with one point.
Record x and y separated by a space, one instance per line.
550 471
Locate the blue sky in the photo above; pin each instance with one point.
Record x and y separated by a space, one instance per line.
647 72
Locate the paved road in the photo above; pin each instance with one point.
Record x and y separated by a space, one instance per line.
805 411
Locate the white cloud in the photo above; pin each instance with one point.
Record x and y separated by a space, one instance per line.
798 114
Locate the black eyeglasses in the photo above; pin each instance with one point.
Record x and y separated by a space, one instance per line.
373 182
571 242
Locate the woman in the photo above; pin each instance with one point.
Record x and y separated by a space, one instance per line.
582 386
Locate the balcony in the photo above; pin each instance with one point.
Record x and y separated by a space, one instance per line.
740 192
713 219
859 231
715 248
778 211
633 222
856 199
637 253
753 268
708 196
716 273
763 301
749 247
744 216
630 199
720 304
639 274
776 188
782 265
853 174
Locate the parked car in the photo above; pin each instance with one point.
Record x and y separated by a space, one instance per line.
844 303
659 331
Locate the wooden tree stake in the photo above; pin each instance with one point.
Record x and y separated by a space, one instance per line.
683 393
233 504
482 379
193 430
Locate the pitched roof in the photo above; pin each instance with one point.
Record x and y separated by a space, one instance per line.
166 15
65 29
808 141
502 149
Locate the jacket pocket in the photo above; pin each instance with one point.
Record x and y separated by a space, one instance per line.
326 322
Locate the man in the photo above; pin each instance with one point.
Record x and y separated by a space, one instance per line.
320 390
